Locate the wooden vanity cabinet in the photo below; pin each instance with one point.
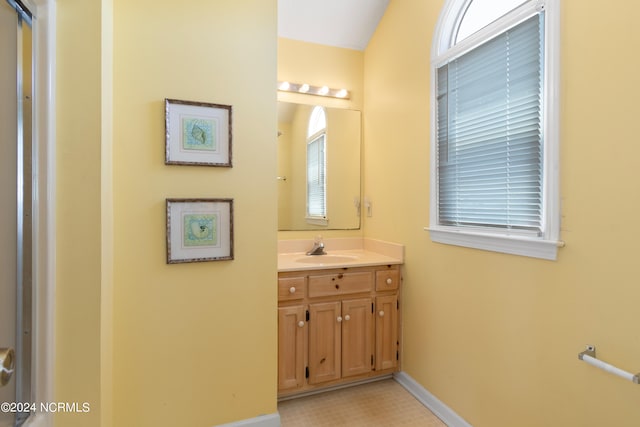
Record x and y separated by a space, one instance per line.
336 326
292 333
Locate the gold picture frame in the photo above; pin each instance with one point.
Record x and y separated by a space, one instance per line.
199 230
198 133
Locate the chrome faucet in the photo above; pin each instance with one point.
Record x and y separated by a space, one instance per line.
318 247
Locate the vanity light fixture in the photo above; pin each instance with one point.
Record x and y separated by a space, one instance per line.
313 90
342 93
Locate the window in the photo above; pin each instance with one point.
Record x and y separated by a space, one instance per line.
494 148
317 167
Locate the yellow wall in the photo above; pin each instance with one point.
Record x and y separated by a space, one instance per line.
78 227
146 343
194 343
285 169
344 128
496 337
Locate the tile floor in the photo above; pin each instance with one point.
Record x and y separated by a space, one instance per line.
382 403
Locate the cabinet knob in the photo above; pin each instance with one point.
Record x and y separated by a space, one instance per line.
381 313
292 290
347 317
389 281
339 319
300 324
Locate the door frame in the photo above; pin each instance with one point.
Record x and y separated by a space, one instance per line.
44 196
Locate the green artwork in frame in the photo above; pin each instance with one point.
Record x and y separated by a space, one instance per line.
200 230
199 134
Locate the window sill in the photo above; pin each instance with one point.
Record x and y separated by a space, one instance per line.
515 245
314 220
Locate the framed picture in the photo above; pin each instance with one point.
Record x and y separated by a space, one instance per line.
199 230
197 133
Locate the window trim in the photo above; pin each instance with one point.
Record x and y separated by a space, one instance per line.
313 134
545 246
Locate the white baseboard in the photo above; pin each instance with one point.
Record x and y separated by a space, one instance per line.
442 411
270 420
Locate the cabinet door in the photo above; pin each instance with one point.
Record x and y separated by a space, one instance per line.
386 332
324 342
357 336
291 337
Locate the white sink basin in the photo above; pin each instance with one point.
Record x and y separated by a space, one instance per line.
326 259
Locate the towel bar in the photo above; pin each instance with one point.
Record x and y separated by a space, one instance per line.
589 356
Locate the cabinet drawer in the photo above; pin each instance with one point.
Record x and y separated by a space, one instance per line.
340 284
291 288
387 280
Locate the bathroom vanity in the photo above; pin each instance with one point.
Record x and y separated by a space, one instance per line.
338 318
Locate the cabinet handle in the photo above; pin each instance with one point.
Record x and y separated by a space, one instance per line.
389 281
292 290
300 324
339 319
347 317
381 313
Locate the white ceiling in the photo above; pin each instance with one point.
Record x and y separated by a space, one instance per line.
342 23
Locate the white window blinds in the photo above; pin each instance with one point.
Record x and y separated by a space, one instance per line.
489 133
316 197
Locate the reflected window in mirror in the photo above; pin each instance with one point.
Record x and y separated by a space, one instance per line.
317 167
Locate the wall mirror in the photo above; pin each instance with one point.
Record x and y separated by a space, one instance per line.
300 164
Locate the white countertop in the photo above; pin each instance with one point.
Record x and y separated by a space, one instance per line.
340 253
